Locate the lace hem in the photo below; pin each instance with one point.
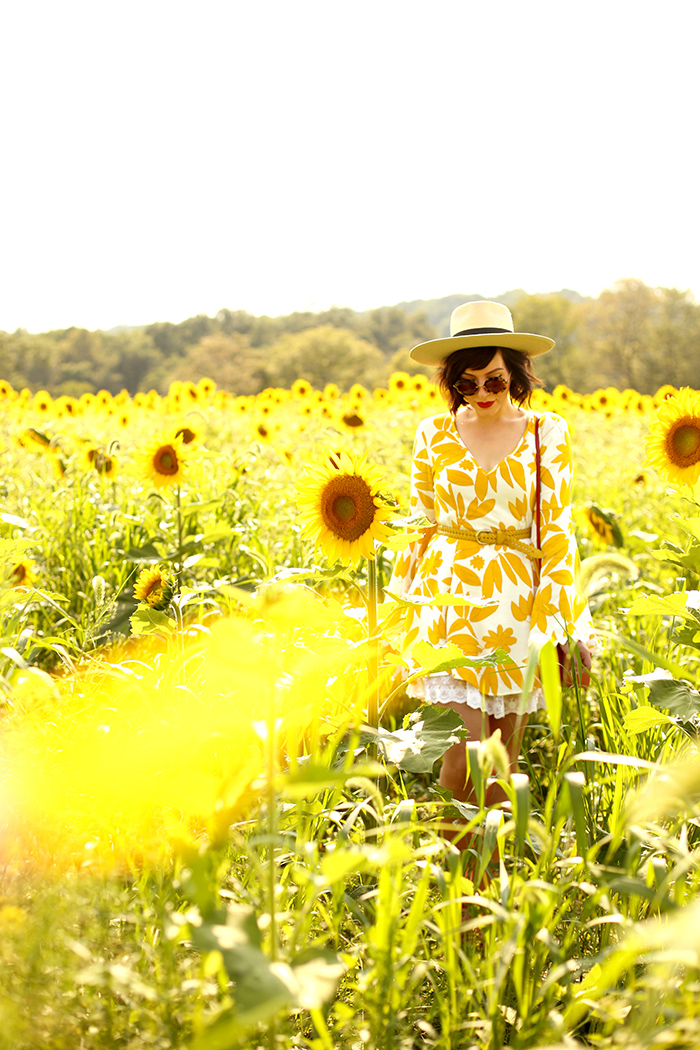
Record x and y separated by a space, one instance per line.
444 689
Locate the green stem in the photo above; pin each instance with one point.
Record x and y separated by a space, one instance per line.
271 822
373 659
178 511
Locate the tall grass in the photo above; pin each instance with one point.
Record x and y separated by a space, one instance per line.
218 856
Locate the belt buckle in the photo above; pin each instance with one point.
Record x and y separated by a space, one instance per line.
484 536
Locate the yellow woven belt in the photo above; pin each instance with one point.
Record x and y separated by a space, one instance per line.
507 537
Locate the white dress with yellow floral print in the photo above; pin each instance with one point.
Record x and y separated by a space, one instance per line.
450 488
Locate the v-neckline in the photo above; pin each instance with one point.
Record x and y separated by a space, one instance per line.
512 452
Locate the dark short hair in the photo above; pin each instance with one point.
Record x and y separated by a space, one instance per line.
522 379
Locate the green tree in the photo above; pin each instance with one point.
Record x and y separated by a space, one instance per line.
618 337
560 318
676 340
392 329
227 359
325 355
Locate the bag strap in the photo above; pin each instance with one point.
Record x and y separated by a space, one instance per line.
537 480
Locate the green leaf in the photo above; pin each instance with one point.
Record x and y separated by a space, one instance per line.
308 779
551 684
639 650
222 531
409 601
148 621
576 784
194 508
672 554
688 634
401 540
263 987
691 526
416 749
433 659
12 550
643 718
668 605
677 697
147 554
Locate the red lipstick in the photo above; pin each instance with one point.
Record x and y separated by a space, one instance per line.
484 404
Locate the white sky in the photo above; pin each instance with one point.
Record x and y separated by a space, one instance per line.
162 159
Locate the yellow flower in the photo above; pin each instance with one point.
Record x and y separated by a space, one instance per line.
189 433
301 388
206 387
663 394
673 446
96 458
341 508
352 418
42 402
400 382
22 574
604 524
155 588
163 461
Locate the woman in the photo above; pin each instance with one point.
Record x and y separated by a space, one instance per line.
474 479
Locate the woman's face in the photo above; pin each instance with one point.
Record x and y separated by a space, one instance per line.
483 401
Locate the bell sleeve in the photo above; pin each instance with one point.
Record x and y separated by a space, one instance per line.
559 610
421 503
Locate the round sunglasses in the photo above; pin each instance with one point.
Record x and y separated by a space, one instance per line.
469 387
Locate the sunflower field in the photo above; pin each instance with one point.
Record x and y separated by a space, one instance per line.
220 823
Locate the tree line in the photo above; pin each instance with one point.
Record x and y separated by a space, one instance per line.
632 335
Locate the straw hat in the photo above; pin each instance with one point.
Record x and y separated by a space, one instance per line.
481 323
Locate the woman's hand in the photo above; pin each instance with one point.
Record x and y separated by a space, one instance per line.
580 669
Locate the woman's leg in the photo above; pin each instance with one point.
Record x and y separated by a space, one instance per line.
512 728
454 772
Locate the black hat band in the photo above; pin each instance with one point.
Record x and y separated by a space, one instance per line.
483 331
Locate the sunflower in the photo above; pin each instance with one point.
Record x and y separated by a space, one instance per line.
604 525
673 446
206 387
399 382
301 388
352 418
155 588
95 458
341 508
189 434
22 574
663 394
163 461
42 402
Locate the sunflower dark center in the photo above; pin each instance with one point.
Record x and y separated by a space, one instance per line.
186 434
165 460
683 442
347 507
19 573
351 419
